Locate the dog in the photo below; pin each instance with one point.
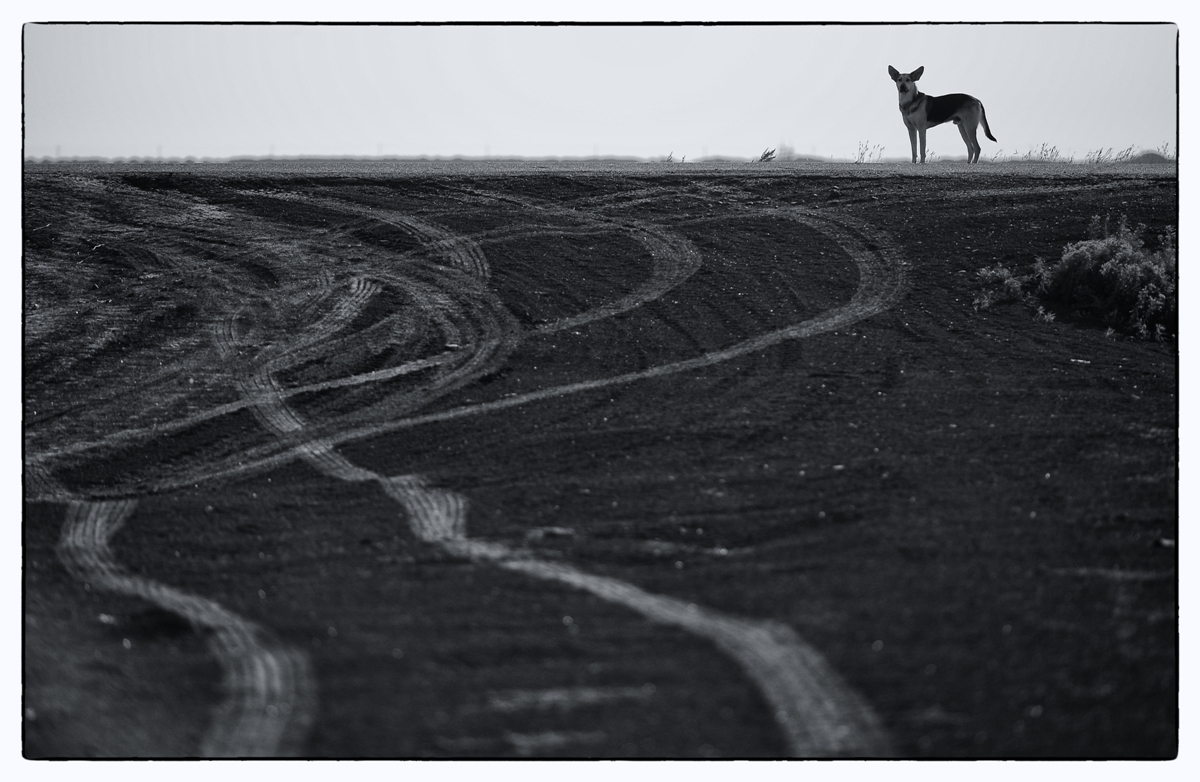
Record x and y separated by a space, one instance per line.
921 112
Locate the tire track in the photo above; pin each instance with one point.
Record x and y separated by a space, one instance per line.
480 328
269 406
459 251
675 258
270 692
342 314
148 432
881 283
466 313
819 714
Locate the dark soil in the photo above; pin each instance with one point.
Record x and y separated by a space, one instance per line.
970 513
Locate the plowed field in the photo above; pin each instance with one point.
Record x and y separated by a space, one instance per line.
588 461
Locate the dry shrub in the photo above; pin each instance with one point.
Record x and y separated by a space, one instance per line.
1000 286
1111 276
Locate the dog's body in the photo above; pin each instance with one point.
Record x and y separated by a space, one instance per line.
922 111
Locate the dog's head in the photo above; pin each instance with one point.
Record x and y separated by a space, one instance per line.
904 81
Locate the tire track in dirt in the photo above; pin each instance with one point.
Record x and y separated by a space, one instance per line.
818 714
478 334
158 246
882 280
458 251
466 314
473 323
261 386
461 319
343 312
675 259
881 283
270 692
148 432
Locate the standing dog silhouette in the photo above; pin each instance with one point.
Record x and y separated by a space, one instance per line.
921 111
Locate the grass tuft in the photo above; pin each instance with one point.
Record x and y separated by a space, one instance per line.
868 153
1045 154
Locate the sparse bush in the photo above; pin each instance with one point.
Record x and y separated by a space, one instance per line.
1000 286
1110 276
1098 156
767 156
670 157
1124 155
1114 277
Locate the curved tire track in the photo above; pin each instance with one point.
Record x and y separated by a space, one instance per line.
882 280
458 251
674 261
675 258
881 283
818 714
270 691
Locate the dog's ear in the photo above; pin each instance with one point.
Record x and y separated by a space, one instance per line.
917 73
895 74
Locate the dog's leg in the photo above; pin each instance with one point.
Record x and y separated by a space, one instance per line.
970 129
921 131
971 124
962 131
912 140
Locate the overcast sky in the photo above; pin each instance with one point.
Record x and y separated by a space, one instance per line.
642 91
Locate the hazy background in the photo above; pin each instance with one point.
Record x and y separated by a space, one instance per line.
642 91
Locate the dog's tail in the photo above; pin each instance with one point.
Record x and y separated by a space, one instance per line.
983 115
